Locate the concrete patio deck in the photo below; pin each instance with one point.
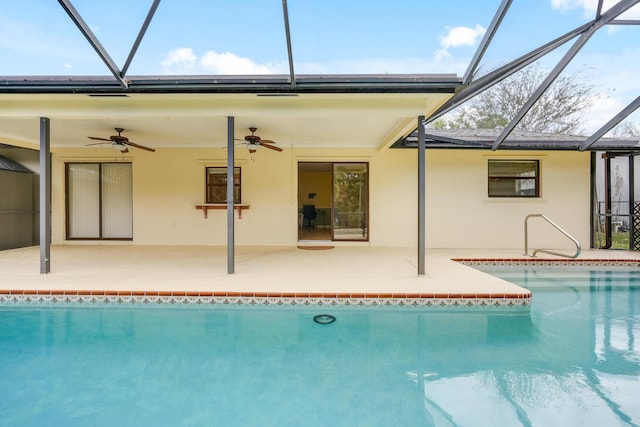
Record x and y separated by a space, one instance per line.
340 270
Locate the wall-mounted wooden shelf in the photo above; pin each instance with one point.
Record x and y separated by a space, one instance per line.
220 206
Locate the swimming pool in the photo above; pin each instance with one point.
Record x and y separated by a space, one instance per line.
574 359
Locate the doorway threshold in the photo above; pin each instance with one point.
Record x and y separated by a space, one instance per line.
336 243
314 242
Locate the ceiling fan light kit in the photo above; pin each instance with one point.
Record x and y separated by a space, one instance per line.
119 142
253 142
252 147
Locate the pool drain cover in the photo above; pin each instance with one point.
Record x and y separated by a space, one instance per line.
324 319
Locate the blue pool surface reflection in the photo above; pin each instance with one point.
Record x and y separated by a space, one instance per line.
574 359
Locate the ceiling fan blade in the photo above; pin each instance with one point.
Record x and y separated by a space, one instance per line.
142 147
97 143
267 141
271 147
99 139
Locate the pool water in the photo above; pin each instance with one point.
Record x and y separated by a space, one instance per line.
573 360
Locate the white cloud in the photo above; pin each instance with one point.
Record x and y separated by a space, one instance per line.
179 61
229 63
456 37
441 54
462 36
185 61
589 7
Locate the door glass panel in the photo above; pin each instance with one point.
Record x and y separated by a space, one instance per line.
350 201
599 195
620 203
314 200
84 200
613 211
117 201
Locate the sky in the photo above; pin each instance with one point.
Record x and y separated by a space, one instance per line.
204 37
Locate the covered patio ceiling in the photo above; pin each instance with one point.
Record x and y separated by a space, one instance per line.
172 120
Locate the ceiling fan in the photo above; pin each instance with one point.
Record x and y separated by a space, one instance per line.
253 142
119 142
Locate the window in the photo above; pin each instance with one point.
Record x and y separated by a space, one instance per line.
217 185
514 178
99 201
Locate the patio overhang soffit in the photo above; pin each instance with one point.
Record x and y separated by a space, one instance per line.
199 120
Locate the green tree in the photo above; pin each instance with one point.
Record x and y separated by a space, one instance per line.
559 110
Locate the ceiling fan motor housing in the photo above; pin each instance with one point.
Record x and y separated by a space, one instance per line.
254 142
120 142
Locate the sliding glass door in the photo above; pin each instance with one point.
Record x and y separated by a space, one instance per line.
333 200
99 201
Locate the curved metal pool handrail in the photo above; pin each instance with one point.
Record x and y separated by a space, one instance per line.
557 227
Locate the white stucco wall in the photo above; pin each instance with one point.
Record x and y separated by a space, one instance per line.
464 213
459 212
168 183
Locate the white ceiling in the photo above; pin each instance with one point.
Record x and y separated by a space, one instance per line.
200 120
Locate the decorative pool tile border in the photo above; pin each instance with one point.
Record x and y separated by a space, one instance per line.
302 299
547 263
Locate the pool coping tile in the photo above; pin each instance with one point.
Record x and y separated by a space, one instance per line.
289 298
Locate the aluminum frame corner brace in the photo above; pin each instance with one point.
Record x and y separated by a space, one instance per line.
100 50
486 41
93 40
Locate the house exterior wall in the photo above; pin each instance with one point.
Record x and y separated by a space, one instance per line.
460 214
169 183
